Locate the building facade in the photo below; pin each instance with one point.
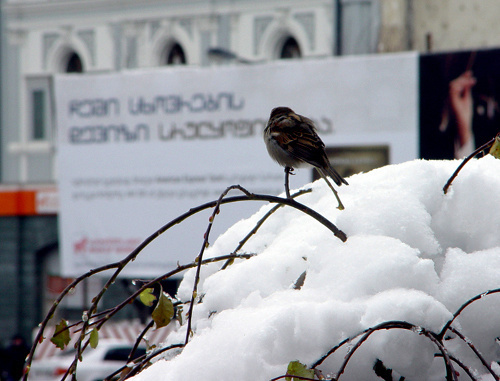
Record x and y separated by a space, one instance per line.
43 38
48 37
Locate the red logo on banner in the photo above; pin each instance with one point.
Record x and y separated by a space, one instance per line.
80 246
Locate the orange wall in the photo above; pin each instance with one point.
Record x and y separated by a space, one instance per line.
19 203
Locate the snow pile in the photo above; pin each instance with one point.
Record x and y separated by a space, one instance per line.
412 254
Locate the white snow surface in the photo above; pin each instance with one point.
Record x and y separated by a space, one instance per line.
412 254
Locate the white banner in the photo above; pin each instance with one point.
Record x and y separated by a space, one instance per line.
136 149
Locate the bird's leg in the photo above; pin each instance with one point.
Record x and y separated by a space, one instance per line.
288 171
341 206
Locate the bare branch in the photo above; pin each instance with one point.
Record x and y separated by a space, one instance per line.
450 373
200 256
260 223
476 352
482 148
440 336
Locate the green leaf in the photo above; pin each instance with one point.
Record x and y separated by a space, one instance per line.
94 338
147 297
164 310
495 148
295 368
61 335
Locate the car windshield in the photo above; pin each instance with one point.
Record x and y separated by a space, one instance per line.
112 354
121 353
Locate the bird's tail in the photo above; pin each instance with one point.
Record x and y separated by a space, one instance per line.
339 180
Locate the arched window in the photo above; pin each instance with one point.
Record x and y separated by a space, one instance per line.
176 56
74 63
290 48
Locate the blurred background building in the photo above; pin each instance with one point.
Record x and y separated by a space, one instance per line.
44 37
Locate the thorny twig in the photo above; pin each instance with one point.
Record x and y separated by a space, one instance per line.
140 363
463 307
437 339
482 148
288 201
120 265
260 223
138 340
450 373
476 352
106 315
199 258
465 368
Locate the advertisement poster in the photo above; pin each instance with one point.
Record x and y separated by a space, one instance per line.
138 148
459 109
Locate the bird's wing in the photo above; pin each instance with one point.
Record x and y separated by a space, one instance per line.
297 135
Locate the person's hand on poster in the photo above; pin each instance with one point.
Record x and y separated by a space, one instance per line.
461 103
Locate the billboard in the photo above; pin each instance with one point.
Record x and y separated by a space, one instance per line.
459 109
138 148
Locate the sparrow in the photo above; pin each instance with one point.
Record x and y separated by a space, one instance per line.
291 140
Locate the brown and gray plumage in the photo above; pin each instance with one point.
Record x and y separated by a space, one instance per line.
291 139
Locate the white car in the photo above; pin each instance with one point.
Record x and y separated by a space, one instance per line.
97 364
